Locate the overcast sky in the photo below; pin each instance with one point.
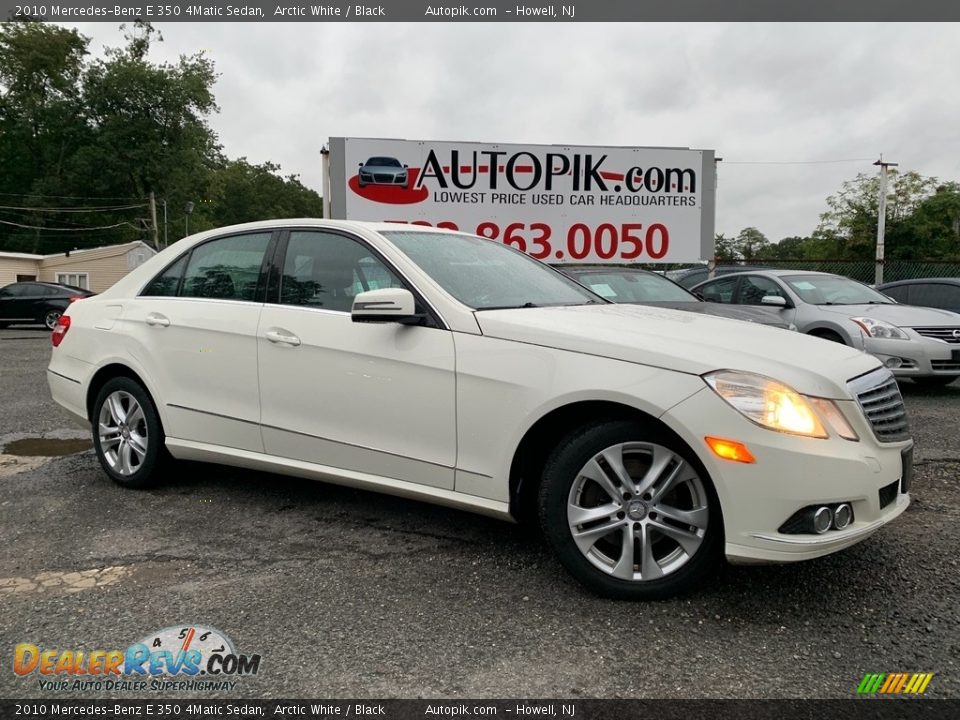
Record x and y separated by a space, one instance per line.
753 92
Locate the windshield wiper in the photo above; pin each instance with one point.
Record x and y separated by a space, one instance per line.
509 307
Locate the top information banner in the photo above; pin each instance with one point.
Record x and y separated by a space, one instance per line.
483 11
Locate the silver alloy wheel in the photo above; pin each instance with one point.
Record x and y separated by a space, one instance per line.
637 511
51 317
123 432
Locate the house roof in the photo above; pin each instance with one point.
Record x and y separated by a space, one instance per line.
30 256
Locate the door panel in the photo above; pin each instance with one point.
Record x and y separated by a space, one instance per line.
195 330
202 357
377 398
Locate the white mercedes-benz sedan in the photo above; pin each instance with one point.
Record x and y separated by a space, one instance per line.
449 368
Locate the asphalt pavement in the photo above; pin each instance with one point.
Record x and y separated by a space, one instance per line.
349 594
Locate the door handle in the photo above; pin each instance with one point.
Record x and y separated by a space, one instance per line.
156 319
282 338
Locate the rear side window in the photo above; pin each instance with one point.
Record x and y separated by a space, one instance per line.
719 290
227 268
167 283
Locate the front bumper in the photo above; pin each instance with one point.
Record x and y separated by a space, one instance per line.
918 356
790 473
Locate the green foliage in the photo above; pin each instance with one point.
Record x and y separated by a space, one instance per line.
108 132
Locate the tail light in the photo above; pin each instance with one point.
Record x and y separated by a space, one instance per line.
74 298
60 330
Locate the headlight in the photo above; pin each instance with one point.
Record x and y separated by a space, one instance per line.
879 329
767 402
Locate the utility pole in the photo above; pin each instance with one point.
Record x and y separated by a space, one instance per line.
165 243
881 218
153 221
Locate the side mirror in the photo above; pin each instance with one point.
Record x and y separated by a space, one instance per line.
386 305
405 167
774 300
360 164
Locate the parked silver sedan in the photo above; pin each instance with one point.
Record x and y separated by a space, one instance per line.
915 342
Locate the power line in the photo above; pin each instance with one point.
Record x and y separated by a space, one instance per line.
81 229
103 208
794 162
72 197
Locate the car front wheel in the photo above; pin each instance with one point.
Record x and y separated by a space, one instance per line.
629 512
127 435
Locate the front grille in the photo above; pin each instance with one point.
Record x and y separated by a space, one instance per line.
945 364
888 493
947 334
383 178
879 399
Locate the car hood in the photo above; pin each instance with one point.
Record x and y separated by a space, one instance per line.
899 315
685 342
736 312
383 168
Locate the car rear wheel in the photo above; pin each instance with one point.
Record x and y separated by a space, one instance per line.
127 435
630 512
50 318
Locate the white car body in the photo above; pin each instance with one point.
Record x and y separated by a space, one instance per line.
439 414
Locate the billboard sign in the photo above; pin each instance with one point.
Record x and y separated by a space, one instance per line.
560 204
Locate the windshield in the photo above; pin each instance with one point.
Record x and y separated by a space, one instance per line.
486 275
833 290
384 162
630 286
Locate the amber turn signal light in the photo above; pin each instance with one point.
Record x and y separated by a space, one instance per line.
730 450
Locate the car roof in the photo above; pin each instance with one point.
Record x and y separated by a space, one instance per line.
920 281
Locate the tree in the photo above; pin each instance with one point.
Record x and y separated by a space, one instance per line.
852 212
750 243
104 134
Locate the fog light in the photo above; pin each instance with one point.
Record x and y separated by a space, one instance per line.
822 520
893 362
842 516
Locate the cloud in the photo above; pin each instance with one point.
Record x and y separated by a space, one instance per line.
753 92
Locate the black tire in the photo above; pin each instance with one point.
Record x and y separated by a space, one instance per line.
562 471
934 381
50 318
149 470
828 335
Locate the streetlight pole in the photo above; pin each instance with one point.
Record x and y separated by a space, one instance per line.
186 218
165 243
881 218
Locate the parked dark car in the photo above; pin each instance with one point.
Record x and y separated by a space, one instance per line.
688 277
943 293
632 285
36 303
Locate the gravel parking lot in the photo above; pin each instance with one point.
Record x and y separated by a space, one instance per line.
351 594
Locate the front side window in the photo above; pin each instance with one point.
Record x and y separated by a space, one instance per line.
937 295
485 275
326 270
753 289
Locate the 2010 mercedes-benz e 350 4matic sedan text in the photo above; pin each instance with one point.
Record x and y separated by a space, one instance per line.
452 369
